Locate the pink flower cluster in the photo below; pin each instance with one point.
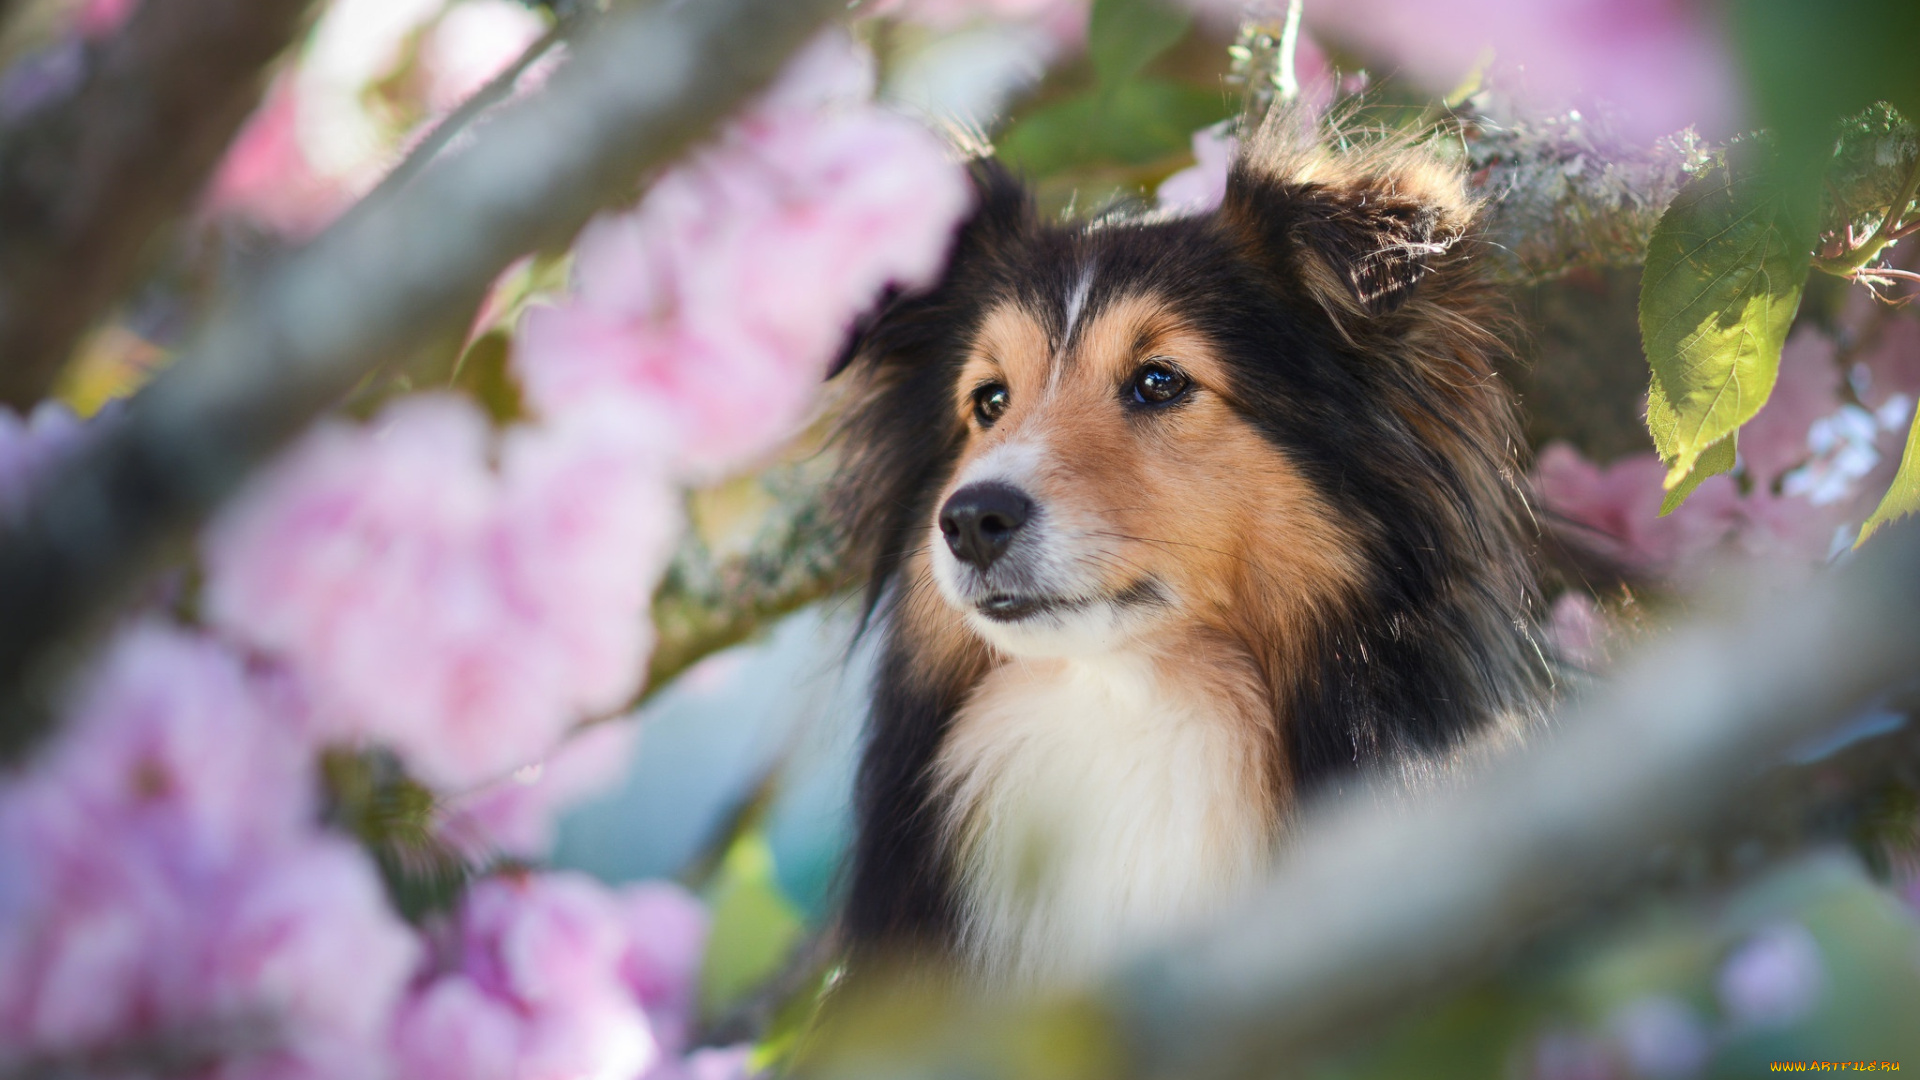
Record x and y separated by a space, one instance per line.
556 977
465 613
1656 66
710 311
161 879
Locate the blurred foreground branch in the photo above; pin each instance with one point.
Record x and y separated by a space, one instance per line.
88 178
1384 896
647 83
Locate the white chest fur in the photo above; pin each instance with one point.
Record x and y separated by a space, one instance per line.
1094 804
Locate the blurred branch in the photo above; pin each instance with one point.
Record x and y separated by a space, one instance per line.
88 179
645 85
1562 196
1387 895
496 91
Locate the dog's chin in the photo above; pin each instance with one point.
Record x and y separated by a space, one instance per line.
1043 626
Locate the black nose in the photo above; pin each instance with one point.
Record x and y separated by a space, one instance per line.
980 519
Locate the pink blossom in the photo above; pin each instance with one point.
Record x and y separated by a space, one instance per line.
1617 508
515 816
29 448
267 178
1199 188
1656 66
464 615
164 879
556 976
98 18
1578 630
711 310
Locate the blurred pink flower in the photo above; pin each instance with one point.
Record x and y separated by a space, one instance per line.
29 447
1200 187
1654 66
98 18
1616 507
1578 630
267 178
515 816
465 615
163 878
711 310
546 977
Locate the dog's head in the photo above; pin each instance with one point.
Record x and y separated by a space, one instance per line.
1094 435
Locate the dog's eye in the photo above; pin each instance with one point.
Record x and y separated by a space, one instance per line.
990 401
1158 384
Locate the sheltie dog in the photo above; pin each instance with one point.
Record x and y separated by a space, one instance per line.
1171 522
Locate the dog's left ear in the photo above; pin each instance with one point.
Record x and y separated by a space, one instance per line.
1358 230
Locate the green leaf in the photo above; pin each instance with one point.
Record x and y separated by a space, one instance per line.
1138 123
755 926
1714 460
1722 282
484 374
1903 497
1124 36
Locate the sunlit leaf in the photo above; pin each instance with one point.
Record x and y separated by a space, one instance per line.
1716 459
754 929
1722 282
1903 497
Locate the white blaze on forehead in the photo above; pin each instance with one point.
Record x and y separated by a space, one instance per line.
1076 305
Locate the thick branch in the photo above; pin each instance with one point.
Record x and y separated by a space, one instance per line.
1386 895
647 83
88 180
707 604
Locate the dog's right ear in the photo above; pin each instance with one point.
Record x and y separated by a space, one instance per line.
1003 217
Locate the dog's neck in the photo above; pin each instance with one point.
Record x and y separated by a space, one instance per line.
1096 802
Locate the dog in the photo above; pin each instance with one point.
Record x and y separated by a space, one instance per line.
1171 523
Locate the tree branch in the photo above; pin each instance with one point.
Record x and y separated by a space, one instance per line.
1387 895
87 181
796 558
643 87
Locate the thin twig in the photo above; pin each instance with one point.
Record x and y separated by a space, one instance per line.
1883 234
497 90
651 81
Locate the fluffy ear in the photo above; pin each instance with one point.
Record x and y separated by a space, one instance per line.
1003 216
1358 229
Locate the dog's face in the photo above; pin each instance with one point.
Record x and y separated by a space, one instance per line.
1111 487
